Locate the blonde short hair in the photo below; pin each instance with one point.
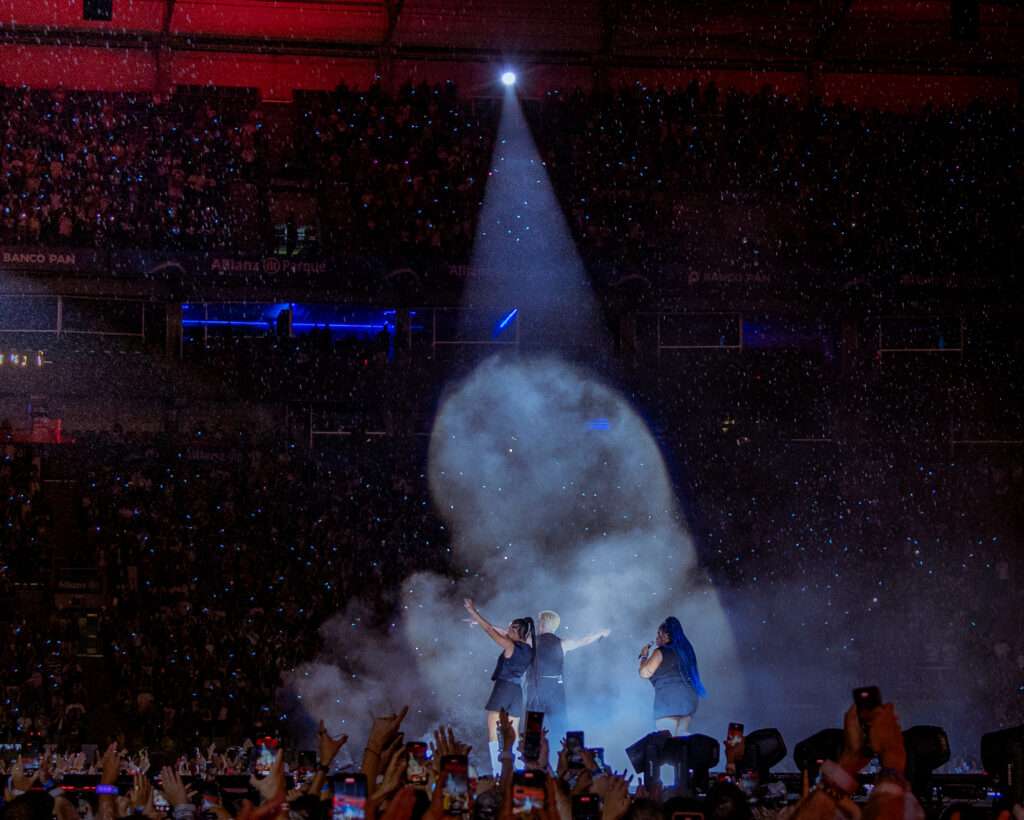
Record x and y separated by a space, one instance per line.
549 621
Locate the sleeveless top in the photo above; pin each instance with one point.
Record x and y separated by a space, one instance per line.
670 672
550 656
512 669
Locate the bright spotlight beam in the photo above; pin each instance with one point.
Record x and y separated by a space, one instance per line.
508 78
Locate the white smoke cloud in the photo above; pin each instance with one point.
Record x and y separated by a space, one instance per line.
558 498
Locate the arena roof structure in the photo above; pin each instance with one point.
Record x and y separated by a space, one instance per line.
282 45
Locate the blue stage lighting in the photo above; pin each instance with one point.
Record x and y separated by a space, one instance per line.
511 315
508 78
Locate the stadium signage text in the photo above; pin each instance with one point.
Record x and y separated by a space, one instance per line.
50 260
34 258
270 264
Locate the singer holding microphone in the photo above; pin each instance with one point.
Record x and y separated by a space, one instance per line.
672 670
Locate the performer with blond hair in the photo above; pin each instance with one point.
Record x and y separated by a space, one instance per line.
545 681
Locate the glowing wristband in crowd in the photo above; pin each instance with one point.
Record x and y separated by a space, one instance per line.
103 788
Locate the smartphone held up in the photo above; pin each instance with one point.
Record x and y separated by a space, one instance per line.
349 797
866 699
455 796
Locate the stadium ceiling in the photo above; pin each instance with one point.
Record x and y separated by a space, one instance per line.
616 32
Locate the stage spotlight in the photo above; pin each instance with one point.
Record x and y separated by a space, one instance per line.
762 750
691 758
645 754
927 748
508 79
809 754
1002 755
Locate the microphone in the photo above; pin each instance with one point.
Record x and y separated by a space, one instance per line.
644 651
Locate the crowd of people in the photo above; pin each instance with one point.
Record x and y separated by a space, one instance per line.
398 176
211 559
645 176
218 559
771 180
218 556
124 170
395 780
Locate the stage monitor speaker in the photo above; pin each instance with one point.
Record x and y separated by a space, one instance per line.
97 9
965 18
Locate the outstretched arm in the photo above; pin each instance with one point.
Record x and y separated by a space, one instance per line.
575 643
500 638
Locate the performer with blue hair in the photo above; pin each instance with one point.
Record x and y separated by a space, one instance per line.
672 670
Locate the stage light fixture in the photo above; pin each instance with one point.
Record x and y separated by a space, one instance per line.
508 79
1002 755
645 754
691 758
809 754
927 748
762 749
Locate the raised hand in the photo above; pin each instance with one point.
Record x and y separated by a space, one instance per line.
887 738
273 785
735 748
174 787
394 777
615 798
19 780
384 730
110 765
852 758
445 743
328 746
141 797
506 732
402 806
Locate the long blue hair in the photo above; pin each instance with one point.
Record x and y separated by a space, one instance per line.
680 644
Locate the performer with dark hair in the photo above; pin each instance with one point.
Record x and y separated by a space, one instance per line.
517 646
545 685
672 670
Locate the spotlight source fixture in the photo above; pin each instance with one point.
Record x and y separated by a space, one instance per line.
809 754
1002 755
927 749
508 78
762 750
691 757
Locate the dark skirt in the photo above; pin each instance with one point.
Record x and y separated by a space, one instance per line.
508 696
677 699
549 697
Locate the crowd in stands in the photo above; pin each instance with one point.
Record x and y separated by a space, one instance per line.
401 175
773 180
646 176
121 170
218 557
218 561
